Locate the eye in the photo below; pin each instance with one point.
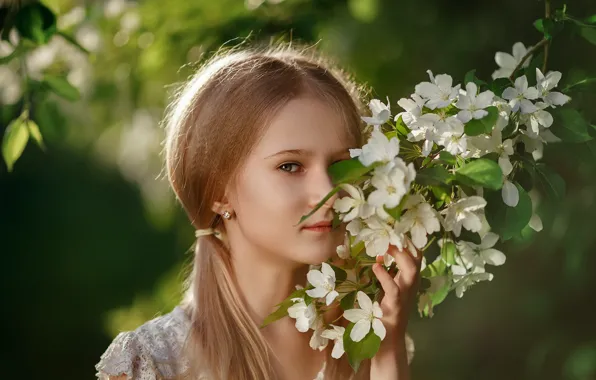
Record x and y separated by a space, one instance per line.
288 164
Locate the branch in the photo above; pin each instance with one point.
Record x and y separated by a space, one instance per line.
528 54
547 46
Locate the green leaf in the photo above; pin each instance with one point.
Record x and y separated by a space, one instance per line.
434 176
401 128
485 125
570 126
356 249
447 157
359 351
36 22
481 172
15 140
508 222
471 77
62 87
470 236
448 252
283 307
589 34
348 170
340 274
434 269
35 133
550 182
499 85
551 28
347 302
538 24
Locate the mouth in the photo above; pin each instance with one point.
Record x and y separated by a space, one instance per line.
319 229
323 226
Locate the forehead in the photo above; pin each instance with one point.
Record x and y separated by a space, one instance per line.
306 123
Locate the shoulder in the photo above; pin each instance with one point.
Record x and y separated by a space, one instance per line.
152 351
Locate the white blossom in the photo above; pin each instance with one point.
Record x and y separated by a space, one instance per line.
303 314
463 280
475 256
368 314
546 84
463 212
420 219
317 340
412 107
509 193
343 250
353 206
520 96
438 92
378 149
324 282
391 181
336 334
472 105
454 140
381 113
378 235
507 62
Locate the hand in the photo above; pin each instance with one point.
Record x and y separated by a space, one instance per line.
400 295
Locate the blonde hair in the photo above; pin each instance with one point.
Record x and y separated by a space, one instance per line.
211 127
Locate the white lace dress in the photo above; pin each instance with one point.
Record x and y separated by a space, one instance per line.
151 352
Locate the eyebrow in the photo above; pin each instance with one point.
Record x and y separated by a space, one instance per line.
304 152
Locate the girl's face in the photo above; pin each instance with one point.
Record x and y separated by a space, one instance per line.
284 177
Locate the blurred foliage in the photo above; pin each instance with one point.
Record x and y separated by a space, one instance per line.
93 242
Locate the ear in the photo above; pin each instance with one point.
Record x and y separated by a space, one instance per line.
220 207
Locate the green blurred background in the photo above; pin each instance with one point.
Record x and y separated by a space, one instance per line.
93 243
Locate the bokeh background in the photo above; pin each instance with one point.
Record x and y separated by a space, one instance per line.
92 242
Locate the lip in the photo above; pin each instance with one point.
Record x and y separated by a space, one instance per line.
324 223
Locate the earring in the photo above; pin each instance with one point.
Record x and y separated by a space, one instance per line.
227 215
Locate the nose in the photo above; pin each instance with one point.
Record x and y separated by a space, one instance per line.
319 187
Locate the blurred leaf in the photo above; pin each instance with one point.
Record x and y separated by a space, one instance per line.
347 302
485 125
62 87
340 274
348 170
499 85
364 10
508 222
589 34
448 252
282 309
14 141
570 126
447 157
550 182
481 172
35 133
434 176
359 351
36 22
467 235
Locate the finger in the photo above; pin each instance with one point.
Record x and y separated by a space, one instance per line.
389 286
407 265
380 260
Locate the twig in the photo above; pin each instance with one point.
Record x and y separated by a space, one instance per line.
529 53
547 46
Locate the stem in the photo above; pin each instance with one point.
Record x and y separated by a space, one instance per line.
547 46
528 54
431 159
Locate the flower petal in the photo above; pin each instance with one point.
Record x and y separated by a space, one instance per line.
510 194
493 256
315 278
364 302
355 315
360 330
378 328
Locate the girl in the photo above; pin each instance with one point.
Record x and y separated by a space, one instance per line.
249 140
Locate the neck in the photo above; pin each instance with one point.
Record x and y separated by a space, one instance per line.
264 283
